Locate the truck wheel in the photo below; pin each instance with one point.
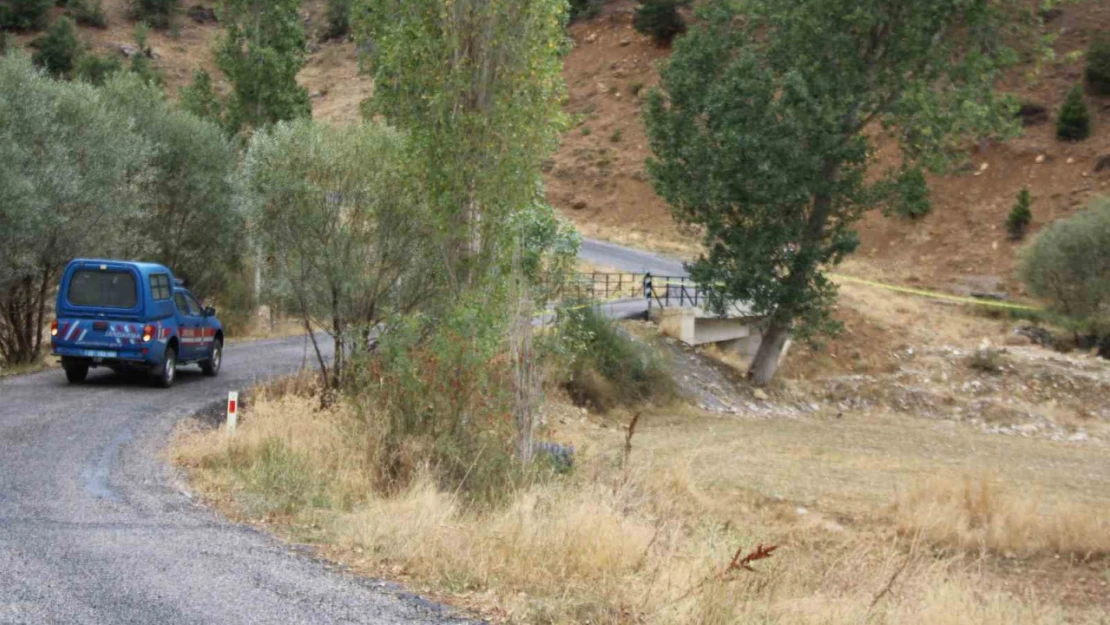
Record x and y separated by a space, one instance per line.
211 367
76 370
168 371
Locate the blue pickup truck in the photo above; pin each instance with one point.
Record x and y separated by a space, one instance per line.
131 316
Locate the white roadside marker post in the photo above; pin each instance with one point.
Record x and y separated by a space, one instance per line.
232 411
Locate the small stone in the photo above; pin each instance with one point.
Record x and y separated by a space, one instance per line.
1078 437
592 37
625 42
316 94
1040 158
1070 160
760 394
128 50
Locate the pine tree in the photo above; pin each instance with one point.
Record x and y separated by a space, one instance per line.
58 50
1020 215
1074 123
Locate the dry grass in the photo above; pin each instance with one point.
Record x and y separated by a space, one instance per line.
646 543
975 515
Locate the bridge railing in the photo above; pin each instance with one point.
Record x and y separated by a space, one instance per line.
659 291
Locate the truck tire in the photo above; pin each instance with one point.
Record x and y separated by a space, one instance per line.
76 370
211 366
167 373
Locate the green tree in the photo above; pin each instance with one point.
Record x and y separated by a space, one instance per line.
1021 215
660 19
69 165
24 14
1068 264
157 13
200 99
344 235
191 220
1098 64
477 87
95 69
89 13
1074 123
58 50
140 61
759 135
261 54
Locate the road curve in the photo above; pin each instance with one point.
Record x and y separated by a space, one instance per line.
96 528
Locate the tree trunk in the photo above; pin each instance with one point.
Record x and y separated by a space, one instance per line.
766 361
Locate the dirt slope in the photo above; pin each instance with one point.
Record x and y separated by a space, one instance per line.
598 179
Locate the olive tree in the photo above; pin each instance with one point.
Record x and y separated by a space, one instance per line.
343 235
71 172
766 119
190 219
1068 264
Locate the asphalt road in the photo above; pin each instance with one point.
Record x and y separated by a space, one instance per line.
95 527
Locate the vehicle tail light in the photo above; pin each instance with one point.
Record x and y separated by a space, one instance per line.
148 333
54 328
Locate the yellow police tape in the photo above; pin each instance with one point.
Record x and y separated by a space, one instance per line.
902 289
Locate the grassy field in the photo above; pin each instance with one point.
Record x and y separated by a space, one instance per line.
878 518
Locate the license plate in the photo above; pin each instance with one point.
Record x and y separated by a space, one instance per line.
97 354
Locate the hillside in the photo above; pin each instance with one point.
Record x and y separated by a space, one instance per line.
598 177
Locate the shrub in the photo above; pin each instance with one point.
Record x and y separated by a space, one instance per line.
1074 123
1098 64
605 366
1020 215
660 19
24 14
1068 264
88 12
911 194
617 135
57 51
200 99
95 69
157 13
140 61
585 9
339 19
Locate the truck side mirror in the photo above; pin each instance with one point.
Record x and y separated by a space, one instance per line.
209 311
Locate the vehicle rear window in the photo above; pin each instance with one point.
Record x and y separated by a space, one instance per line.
160 286
103 289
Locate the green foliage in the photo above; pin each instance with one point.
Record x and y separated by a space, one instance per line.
758 134
1020 215
585 9
200 99
339 18
140 61
68 168
190 220
603 366
261 53
157 13
1098 64
660 19
911 194
446 387
1074 123
478 90
3 43
1068 264
24 14
548 249
617 135
57 51
95 69
335 216
88 12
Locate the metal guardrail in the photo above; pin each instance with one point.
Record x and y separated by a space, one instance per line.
660 291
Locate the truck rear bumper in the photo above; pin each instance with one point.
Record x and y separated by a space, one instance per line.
105 356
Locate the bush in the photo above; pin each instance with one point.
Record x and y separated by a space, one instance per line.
605 366
339 19
585 9
1074 123
58 50
660 19
1068 264
89 13
911 194
24 14
1020 215
157 13
96 69
200 99
1098 65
